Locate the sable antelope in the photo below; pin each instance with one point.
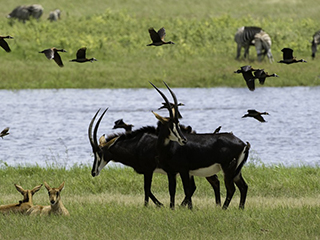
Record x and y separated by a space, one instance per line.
121 124
81 56
4 44
255 114
288 57
52 53
201 155
24 204
137 150
4 132
248 76
262 75
158 37
56 206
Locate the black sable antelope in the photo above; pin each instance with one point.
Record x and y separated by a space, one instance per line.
255 114
52 53
158 37
288 57
4 44
202 155
81 56
137 150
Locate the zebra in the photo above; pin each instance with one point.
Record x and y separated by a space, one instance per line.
246 36
23 12
315 42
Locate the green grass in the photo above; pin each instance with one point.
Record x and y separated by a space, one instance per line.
282 203
116 34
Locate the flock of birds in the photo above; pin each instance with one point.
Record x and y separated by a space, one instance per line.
249 74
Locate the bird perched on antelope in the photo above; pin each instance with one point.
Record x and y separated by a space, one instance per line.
121 124
158 37
81 56
4 44
255 114
288 57
248 76
4 132
262 75
52 53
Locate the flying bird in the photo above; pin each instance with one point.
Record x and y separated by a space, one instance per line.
81 56
255 114
158 37
262 75
248 76
4 132
4 44
288 57
52 53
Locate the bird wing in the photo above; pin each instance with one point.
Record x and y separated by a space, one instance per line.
4 45
154 35
4 131
81 53
49 53
252 111
259 118
57 59
287 53
162 33
246 68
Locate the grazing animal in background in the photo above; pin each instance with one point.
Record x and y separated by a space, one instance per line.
248 76
54 15
315 42
199 155
24 204
52 53
288 57
158 37
262 41
262 75
4 132
4 44
137 150
24 12
56 206
121 124
255 114
81 56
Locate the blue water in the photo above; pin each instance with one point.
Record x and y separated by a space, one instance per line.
50 126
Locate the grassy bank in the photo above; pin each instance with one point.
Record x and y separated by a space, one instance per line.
282 203
116 34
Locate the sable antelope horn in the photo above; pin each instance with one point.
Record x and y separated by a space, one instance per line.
174 99
165 99
93 140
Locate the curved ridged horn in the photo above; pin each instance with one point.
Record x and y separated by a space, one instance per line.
165 99
175 106
93 139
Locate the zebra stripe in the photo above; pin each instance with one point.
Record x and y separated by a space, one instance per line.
262 42
315 42
244 37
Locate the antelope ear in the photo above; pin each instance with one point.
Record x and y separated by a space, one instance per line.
36 189
47 186
161 119
19 188
61 186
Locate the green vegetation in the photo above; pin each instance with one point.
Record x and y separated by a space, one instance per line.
282 203
116 34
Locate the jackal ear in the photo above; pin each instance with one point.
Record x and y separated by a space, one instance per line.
19 188
161 119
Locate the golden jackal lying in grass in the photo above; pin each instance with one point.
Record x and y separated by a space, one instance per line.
23 205
56 206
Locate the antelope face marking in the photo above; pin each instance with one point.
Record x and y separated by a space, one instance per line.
98 164
176 135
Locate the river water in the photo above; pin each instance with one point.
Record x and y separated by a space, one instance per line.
49 127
